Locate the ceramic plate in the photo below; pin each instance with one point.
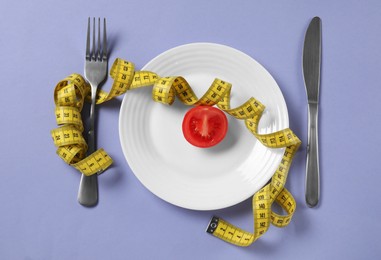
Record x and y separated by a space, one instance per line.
195 178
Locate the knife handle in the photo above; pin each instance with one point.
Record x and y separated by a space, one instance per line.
312 164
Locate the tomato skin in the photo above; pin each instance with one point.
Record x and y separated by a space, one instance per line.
204 126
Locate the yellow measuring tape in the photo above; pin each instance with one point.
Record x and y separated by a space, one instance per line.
70 94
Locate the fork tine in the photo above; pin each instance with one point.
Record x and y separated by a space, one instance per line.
88 40
99 51
93 53
104 56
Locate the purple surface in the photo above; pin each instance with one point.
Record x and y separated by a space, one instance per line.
42 42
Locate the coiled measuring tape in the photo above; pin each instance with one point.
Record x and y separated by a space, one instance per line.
69 97
70 94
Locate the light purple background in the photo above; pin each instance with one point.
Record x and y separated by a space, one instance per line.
41 42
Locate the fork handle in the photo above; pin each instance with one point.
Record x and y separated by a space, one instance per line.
88 187
88 191
312 163
91 136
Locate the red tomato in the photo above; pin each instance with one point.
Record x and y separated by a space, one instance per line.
204 126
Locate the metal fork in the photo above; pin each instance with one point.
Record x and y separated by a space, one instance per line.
95 74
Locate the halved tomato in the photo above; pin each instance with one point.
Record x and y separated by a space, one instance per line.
205 126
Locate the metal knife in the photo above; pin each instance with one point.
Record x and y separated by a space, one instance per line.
311 73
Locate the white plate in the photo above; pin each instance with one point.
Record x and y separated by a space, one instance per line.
196 178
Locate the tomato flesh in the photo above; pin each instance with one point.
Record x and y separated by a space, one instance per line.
205 126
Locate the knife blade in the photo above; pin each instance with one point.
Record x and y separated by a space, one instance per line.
311 73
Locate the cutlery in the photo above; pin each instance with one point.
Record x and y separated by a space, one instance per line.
311 73
95 74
